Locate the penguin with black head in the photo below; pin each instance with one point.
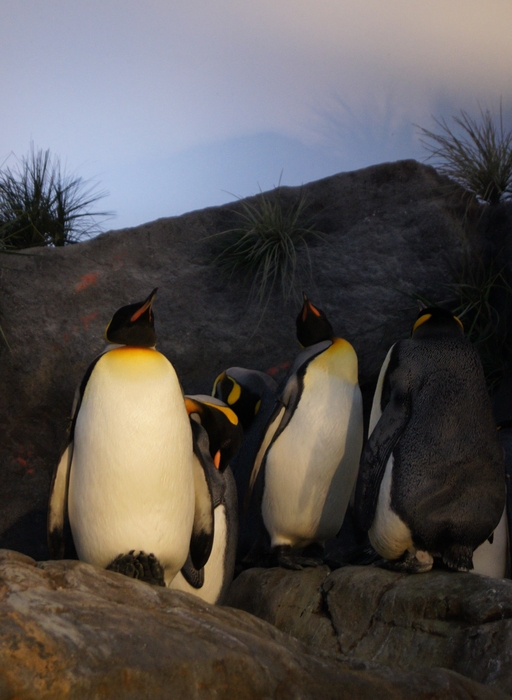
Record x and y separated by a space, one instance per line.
217 436
126 476
431 480
252 395
306 465
245 391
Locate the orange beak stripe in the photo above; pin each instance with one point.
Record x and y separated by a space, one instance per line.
314 310
216 459
140 311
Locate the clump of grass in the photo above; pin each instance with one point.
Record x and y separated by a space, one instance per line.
40 205
264 246
477 154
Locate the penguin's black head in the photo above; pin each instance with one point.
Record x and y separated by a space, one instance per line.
225 433
312 325
243 399
435 321
133 324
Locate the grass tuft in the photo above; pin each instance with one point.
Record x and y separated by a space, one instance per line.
40 205
477 154
263 248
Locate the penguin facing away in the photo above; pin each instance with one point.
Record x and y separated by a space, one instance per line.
431 479
253 397
244 390
308 459
126 476
217 436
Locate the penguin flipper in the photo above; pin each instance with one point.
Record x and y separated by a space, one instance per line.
376 454
58 503
272 427
201 540
57 506
193 576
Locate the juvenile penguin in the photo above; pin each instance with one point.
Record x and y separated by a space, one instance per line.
217 437
308 459
431 481
126 476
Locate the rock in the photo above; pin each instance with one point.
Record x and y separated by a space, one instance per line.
389 232
70 630
459 621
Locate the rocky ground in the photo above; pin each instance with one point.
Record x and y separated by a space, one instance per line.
69 630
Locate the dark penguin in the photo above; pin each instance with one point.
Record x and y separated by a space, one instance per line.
243 390
253 397
308 458
217 437
431 481
126 476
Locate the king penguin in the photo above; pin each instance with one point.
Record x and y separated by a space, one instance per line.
217 436
432 478
126 477
308 459
245 391
252 395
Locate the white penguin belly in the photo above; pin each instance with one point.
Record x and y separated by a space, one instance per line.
214 567
389 535
131 484
312 467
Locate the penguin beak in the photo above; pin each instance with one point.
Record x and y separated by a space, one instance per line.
145 306
308 307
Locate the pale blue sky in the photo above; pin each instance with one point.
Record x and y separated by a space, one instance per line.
172 105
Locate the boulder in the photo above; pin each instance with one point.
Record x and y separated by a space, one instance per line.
462 622
70 630
389 231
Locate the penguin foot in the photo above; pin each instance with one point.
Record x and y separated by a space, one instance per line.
415 562
282 556
458 557
142 566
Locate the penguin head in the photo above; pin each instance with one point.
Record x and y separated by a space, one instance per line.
433 321
224 431
243 390
133 324
312 325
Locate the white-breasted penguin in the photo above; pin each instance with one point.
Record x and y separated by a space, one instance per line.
431 479
308 459
217 435
126 477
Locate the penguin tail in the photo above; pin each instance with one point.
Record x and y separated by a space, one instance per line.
458 557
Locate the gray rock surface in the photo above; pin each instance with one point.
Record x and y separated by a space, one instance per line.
389 232
459 621
70 630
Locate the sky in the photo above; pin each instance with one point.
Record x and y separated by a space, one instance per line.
176 105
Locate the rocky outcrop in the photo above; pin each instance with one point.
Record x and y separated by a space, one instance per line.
459 621
70 630
389 231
